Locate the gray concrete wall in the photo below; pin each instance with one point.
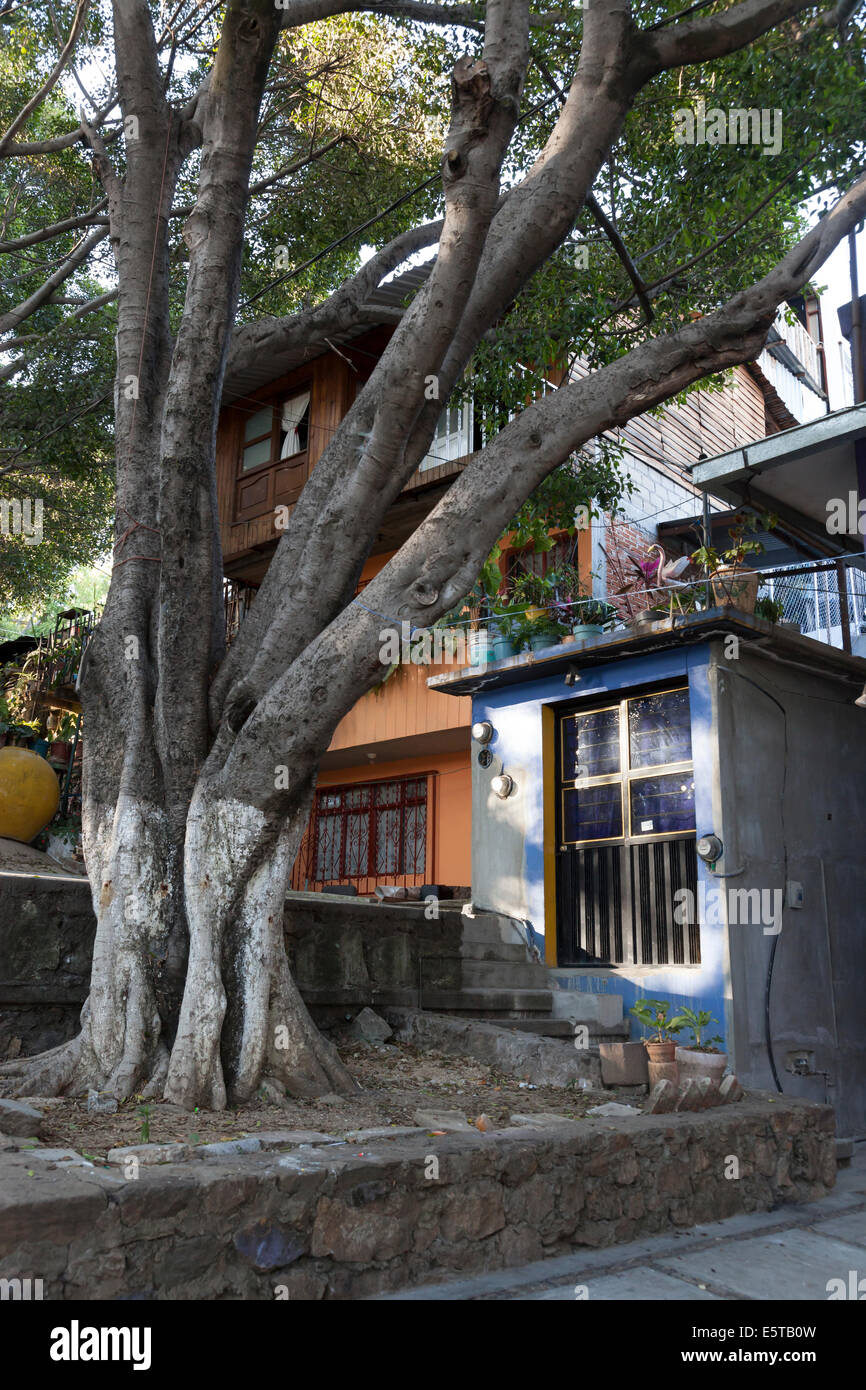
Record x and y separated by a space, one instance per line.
792 752
47 928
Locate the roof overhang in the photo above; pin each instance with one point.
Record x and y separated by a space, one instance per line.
800 469
390 295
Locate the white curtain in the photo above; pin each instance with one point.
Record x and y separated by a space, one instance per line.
293 412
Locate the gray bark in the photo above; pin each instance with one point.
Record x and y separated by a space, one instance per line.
189 832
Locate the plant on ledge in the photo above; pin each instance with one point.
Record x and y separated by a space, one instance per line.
734 586
771 609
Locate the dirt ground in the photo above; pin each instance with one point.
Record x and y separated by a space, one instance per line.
395 1080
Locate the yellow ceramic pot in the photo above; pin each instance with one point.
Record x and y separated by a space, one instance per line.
29 794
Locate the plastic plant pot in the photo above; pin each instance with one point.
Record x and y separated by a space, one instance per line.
503 647
584 630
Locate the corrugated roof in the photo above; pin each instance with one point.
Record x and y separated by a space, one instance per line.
391 295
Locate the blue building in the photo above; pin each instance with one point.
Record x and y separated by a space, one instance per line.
678 807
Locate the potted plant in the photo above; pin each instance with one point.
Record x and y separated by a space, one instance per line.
699 1058
734 586
533 593
62 738
478 643
538 633
64 837
592 617
660 1047
23 733
503 631
770 609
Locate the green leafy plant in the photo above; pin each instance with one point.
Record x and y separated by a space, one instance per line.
66 726
710 559
697 1021
595 612
145 1113
656 1014
770 608
530 590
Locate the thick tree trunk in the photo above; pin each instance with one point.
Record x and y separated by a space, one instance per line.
242 1021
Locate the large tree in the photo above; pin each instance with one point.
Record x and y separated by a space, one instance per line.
201 763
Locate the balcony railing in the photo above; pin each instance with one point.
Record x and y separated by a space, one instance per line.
827 598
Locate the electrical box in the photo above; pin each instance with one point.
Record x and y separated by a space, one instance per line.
794 896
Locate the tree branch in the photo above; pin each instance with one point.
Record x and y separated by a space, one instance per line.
306 331
19 344
699 40
52 79
64 142
86 219
300 12
29 306
370 446
283 173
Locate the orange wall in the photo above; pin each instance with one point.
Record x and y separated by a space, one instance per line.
404 706
449 820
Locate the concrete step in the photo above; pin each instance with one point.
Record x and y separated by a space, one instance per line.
482 1002
504 974
490 927
583 1006
564 1028
494 951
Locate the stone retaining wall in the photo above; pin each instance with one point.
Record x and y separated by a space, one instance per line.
352 1219
344 954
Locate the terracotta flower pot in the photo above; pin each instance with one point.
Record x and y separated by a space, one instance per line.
661 1062
735 587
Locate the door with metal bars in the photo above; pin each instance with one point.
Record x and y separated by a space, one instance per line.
625 827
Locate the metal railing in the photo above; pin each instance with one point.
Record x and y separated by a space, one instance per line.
826 598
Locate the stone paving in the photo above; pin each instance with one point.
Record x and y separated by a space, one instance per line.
790 1254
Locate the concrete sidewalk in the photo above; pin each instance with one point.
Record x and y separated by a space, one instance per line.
788 1254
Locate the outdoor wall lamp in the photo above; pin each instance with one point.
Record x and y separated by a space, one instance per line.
483 731
710 848
502 785
572 676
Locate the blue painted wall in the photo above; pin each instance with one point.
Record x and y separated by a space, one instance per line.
515 712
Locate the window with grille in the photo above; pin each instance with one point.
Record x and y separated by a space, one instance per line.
370 830
627 770
626 831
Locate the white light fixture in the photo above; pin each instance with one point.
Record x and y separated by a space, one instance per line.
483 731
502 785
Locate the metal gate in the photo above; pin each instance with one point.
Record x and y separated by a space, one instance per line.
626 878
